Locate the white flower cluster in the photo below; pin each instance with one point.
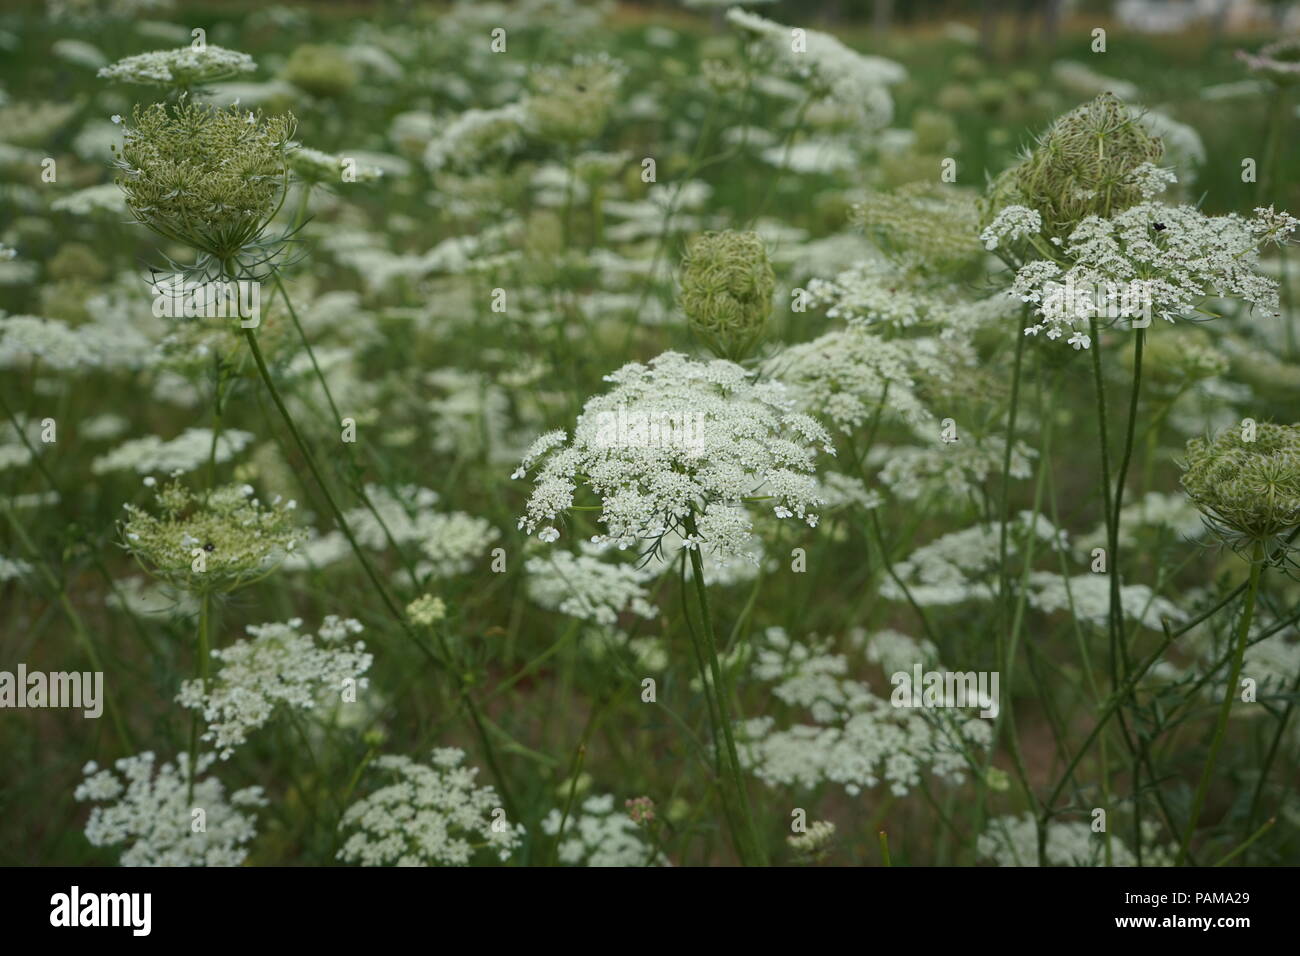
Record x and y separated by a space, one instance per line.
474 135
856 739
857 83
106 199
451 542
279 667
1089 595
749 444
946 475
13 568
876 291
843 375
589 588
1011 225
843 491
1151 180
597 834
185 67
1176 514
187 451
152 813
66 348
430 815
400 510
1013 841
960 565
1165 259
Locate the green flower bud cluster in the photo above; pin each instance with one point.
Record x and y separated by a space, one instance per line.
1246 481
1084 165
926 226
571 104
726 291
210 544
320 70
208 178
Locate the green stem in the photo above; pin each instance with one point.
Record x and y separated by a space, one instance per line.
1221 725
750 848
366 566
201 654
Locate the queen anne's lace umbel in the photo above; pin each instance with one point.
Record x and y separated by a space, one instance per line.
278 667
150 809
428 815
741 442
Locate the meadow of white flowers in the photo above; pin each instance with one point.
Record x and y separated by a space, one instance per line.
593 434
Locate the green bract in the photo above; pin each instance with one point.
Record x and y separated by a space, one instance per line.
206 177
726 291
1246 481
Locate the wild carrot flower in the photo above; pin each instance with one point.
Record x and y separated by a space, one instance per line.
186 68
856 82
280 666
732 441
426 815
208 178
597 835
149 808
217 542
571 103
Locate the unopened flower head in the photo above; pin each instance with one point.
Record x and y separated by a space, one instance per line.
641 810
185 68
206 177
426 815
1246 481
726 291
1082 166
426 611
216 542
754 448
